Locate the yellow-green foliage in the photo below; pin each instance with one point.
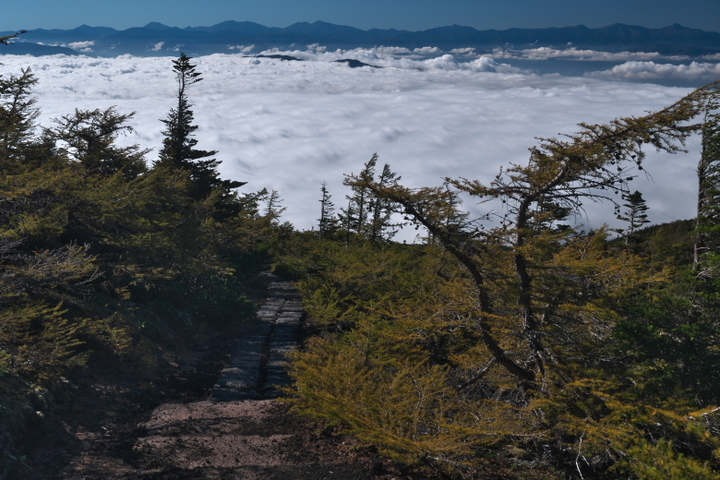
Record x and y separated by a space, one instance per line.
508 332
396 405
608 426
362 277
662 462
409 340
396 399
401 364
38 341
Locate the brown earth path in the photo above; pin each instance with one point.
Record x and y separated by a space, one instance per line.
239 431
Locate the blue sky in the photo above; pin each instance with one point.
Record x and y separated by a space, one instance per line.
401 14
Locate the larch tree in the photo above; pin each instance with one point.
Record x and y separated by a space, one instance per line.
382 209
523 273
368 215
273 206
355 217
504 330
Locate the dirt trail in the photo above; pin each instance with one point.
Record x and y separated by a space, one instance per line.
239 432
256 369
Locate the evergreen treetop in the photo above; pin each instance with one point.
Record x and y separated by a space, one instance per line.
635 214
179 152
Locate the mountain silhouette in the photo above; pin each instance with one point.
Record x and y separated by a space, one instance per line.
225 36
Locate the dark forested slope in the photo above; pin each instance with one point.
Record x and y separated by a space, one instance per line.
107 259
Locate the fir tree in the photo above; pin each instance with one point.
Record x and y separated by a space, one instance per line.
17 116
635 214
90 135
179 152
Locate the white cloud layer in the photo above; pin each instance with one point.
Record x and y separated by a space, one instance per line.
84 47
289 126
652 72
573 53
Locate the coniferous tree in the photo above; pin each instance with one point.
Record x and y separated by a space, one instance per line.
17 116
5 39
178 145
273 205
382 209
327 223
635 214
179 152
558 177
355 217
537 304
348 219
369 215
707 239
90 135
92 251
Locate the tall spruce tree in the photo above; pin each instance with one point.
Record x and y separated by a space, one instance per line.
179 152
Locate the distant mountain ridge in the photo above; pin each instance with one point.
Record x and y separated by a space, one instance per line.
158 39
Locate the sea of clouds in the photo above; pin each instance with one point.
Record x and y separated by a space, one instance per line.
291 125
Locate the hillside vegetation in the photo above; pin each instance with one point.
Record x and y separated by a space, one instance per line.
107 260
516 338
514 341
